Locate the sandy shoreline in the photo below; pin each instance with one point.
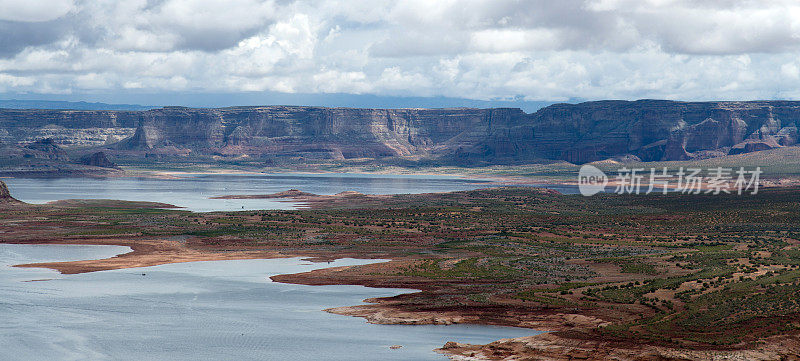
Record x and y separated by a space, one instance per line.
557 343
489 178
574 333
145 253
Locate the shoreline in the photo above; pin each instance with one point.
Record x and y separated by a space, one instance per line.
491 180
144 253
155 174
556 339
488 178
443 297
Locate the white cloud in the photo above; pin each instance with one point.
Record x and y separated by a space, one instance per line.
505 40
482 49
34 10
790 70
10 81
332 81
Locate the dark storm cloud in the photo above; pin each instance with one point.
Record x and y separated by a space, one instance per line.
198 29
18 35
211 40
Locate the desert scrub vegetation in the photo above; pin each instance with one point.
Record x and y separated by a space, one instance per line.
686 269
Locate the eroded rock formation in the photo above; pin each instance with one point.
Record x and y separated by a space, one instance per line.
5 195
647 129
46 149
98 159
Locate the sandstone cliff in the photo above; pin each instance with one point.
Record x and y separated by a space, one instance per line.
647 129
5 196
98 159
650 129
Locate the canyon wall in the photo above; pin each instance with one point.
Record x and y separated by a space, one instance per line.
647 129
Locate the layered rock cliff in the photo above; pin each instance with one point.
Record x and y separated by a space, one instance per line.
67 127
317 132
5 196
647 129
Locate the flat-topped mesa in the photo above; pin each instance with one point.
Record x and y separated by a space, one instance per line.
291 193
5 195
649 130
297 195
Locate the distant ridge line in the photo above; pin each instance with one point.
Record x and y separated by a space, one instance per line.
68 105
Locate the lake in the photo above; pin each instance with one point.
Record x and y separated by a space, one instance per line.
221 310
193 191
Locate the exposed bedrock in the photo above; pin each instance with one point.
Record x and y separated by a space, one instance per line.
648 129
98 159
5 196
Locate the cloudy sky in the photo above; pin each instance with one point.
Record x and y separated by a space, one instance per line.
487 50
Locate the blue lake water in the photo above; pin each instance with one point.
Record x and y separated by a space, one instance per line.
193 191
221 310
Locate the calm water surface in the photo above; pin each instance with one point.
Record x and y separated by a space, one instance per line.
222 310
193 191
